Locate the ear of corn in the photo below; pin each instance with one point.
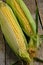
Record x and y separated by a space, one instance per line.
28 14
12 31
25 22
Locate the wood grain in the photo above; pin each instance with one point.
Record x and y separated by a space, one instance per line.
2 49
40 7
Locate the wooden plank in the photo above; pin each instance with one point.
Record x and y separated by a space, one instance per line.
10 56
40 50
2 49
40 7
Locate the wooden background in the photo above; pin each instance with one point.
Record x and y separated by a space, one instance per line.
6 55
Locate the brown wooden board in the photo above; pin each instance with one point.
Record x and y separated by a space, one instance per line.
40 7
2 49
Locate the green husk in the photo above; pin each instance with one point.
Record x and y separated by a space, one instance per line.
38 59
37 19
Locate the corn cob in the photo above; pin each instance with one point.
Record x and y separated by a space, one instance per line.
28 14
12 32
27 23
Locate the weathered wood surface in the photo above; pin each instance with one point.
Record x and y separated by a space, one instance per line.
9 56
2 49
40 7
